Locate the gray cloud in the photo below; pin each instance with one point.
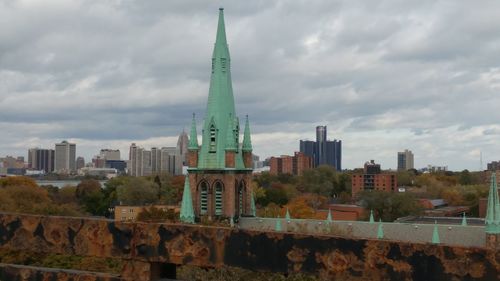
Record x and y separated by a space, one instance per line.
384 75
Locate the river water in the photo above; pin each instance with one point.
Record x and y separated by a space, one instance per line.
62 183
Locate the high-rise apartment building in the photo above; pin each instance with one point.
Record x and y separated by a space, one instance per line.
323 151
155 161
405 160
65 158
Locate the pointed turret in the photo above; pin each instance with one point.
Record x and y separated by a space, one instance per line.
253 210
193 136
493 209
187 211
464 220
380 230
372 220
247 142
287 215
435 234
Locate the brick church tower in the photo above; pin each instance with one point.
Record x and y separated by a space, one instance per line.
220 170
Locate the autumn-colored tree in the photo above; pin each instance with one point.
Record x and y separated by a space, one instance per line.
23 199
300 209
153 214
17 181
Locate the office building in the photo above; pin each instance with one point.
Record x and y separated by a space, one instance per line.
182 146
373 179
110 154
493 166
41 159
405 160
323 151
65 158
80 162
294 165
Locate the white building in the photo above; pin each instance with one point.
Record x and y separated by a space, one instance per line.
65 158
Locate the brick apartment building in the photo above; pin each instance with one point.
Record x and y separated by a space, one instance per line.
373 179
294 165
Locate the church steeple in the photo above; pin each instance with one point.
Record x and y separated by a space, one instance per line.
220 104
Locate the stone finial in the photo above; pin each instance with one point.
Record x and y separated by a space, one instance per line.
329 218
277 227
464 220
435 234
380 230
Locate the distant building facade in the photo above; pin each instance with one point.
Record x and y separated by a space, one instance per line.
155 161
182 146
493 166
294 165
65 158
323 151
41 159
405 160
373 179
80 162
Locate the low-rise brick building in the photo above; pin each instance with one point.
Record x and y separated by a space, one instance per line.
294 165
373 179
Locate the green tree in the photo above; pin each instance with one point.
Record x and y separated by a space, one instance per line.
465 177
390 206
137 191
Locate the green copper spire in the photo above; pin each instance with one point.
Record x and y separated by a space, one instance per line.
464 220
231 144
220 105
493 209
380 230
187 211
435 234
252 206
193 137
329 218
371 217
287 215
277 227
247 142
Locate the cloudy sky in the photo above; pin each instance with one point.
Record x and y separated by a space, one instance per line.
382 75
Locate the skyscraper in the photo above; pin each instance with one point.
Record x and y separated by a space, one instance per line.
65 157
323 151
405 160
182 146
80 162
41 159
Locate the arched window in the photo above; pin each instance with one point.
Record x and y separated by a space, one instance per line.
218 198
223 64
203 198
241 200
213 143
237 137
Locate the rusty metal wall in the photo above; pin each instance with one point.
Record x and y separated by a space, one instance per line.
325 256
10 272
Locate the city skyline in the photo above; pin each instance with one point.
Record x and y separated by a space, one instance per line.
403 77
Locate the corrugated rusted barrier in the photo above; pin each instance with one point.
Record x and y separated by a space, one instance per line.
146 246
